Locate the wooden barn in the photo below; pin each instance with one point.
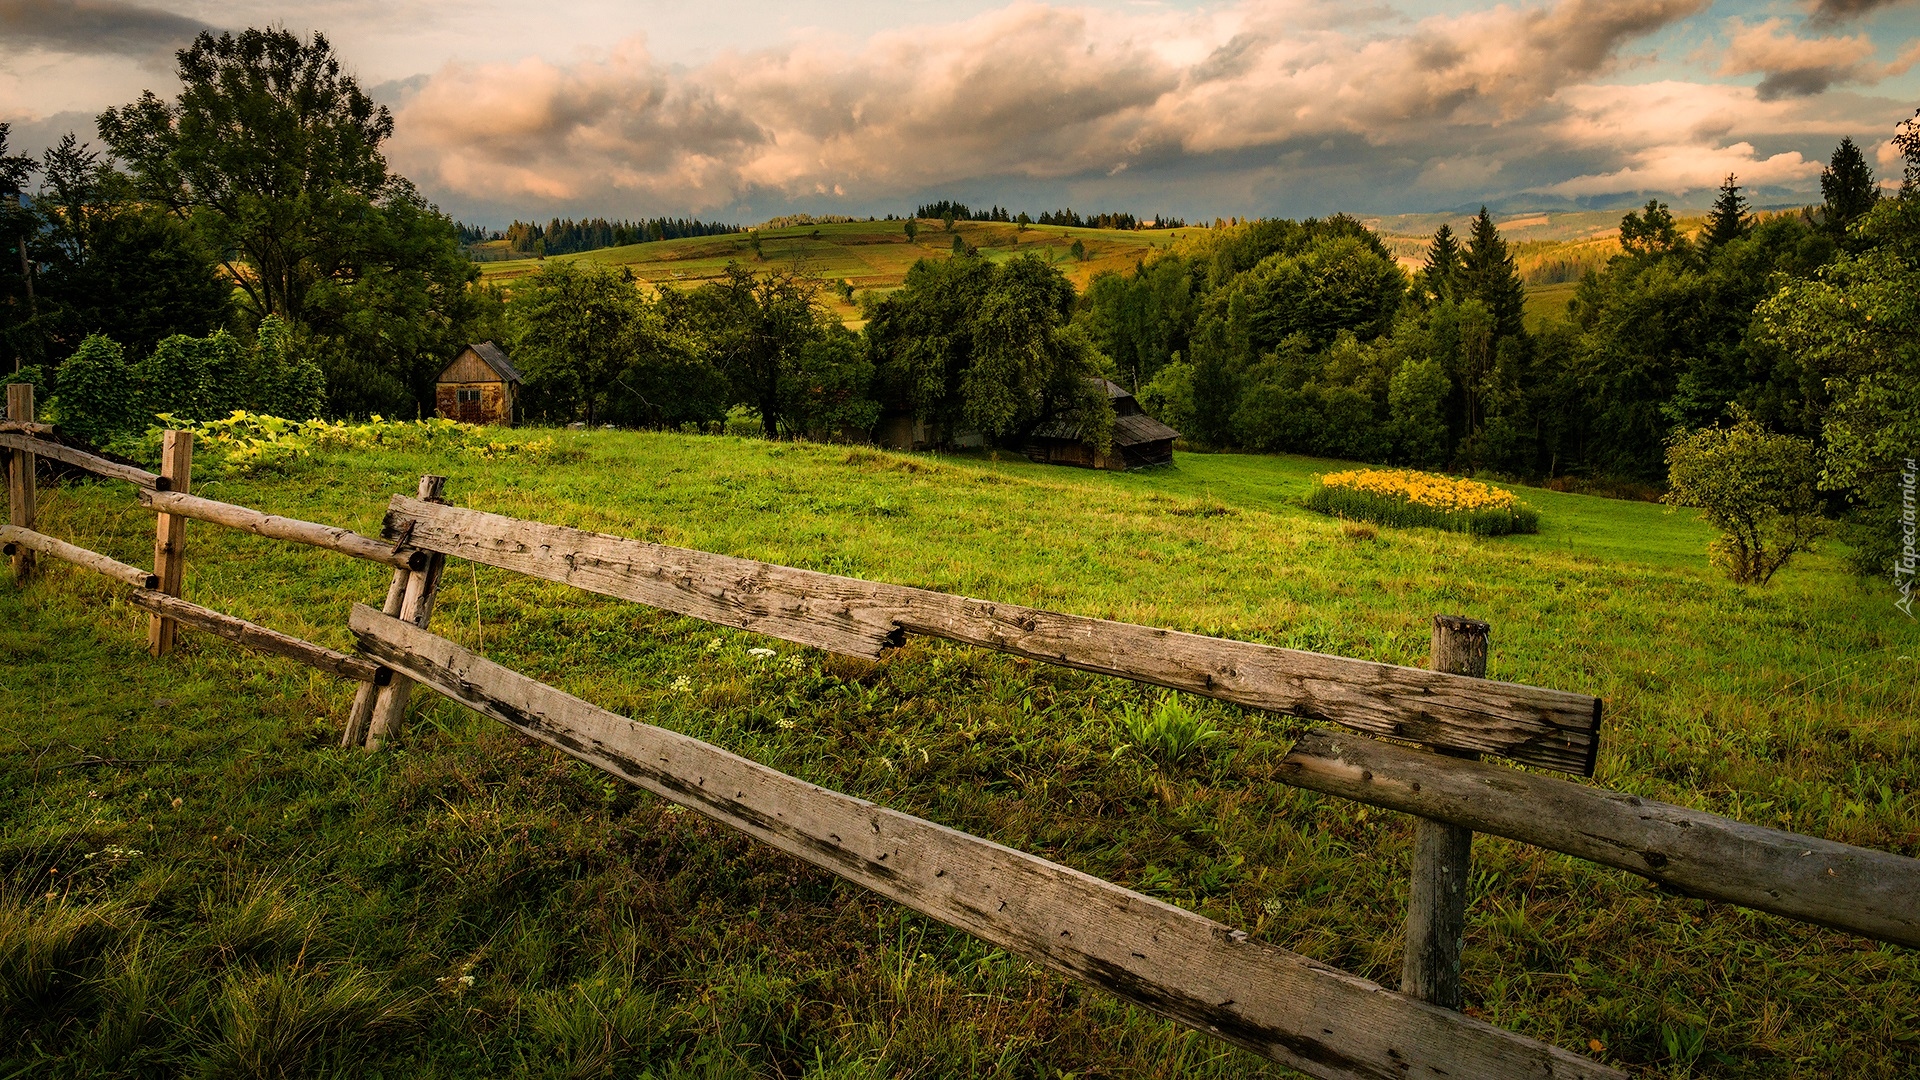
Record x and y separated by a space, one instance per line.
478 387
1139 441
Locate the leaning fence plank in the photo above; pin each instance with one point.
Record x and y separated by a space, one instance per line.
93 463
1872 893
14 537
387 708
364 699
1547 728
272 526
1179 964
23 494
258 638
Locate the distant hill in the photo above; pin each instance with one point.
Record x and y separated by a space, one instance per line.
863 256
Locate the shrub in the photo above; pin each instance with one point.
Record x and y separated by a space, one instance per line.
245 440
195 378
1758 489
97 398
1404 498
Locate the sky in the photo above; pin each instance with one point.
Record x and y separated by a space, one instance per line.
740 110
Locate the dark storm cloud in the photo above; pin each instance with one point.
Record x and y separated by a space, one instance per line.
1830 12
93 27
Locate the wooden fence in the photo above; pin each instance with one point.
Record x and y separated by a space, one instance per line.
1199 972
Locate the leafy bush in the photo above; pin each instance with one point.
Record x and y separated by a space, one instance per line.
1757 488
245 440
1404 498
193 378
97 398
1169 732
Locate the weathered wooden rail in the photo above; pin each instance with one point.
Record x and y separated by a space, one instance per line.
1179 964
1552 729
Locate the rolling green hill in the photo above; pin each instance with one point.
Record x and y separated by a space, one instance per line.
871 256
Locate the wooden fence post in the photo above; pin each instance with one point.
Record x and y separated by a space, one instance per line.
170 535
1442 853
410 597
23 499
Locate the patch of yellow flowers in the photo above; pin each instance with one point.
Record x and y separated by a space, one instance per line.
1423 489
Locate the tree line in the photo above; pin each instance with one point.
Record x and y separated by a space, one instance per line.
966 344
948 210
564 236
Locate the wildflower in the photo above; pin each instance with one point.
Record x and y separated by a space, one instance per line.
795 663
760 654
714 645
785 725
682 684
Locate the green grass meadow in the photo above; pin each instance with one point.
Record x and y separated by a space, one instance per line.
195 880
871 256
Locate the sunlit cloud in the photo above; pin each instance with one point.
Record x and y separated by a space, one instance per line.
1033 93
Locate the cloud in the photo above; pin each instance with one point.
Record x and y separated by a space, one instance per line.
1683 168
1295 104
1028 90
94 27
1795 66
1833 12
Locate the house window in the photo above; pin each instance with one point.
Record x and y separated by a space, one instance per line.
467 397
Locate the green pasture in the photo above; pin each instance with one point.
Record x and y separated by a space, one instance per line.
194 879
871 255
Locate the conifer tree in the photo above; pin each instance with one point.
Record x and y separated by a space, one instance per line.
1488 274
1729 220
1442 271
1847 185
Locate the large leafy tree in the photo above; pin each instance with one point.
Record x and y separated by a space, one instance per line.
968 343
577 329
757 329
274 154
112 264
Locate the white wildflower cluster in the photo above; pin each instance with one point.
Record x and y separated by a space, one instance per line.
760 654
682 685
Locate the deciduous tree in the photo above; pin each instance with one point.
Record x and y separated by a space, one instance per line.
1757 488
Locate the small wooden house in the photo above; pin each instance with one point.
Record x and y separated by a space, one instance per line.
1139 441
478 387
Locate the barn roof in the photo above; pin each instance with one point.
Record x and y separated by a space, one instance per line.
491 355
1131 427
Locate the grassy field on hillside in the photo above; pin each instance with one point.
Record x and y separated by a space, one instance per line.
195 879
872 256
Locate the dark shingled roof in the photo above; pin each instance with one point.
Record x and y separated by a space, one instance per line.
1131 427
490 354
